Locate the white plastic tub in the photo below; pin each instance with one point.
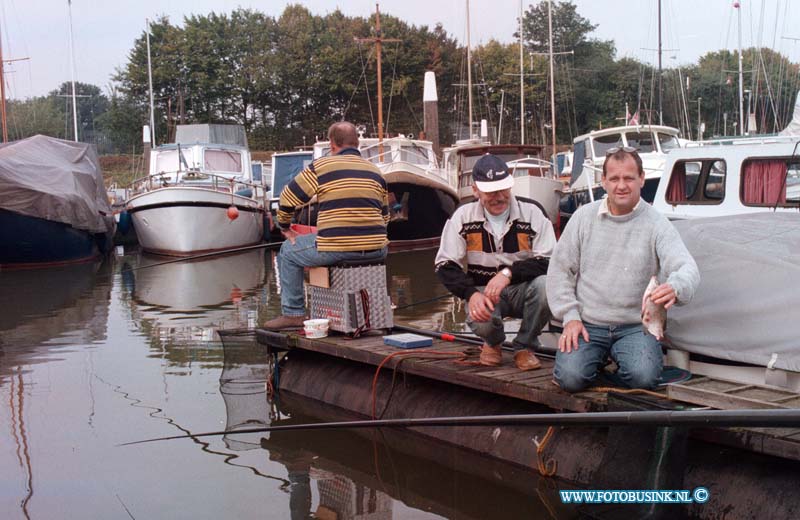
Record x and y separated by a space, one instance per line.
317 328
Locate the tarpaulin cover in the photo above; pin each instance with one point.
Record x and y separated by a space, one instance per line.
217 134
748 303
55 180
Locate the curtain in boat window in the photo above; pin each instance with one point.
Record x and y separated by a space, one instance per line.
764 182
223 161
676 190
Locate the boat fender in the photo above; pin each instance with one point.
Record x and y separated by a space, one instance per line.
125 222
233 213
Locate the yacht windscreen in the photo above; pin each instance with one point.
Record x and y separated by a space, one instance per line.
222 161
602 143
642 141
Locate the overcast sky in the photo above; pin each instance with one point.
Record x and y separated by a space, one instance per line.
104 31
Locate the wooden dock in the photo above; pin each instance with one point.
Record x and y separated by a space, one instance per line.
455 363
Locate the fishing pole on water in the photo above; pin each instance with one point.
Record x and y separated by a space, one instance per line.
784 418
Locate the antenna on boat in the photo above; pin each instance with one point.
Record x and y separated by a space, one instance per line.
72 67
736 6
660 87
552 79
521 81
150 85
469 75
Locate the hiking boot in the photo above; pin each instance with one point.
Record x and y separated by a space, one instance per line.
285 322
491 356
526 360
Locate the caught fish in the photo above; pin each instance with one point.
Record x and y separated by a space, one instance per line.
654 317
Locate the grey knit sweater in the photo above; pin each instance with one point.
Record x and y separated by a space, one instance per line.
602 264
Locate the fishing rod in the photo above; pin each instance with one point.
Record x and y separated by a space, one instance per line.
268 245
429 300
783 418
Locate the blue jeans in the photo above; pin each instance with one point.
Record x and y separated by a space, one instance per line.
637 354
526 300
292 258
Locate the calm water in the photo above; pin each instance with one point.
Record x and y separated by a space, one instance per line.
94 356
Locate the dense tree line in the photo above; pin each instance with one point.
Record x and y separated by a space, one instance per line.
286 78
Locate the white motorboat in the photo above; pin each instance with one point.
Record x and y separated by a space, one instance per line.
652 142
197 198
731 177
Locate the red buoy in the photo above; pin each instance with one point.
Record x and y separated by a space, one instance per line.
233 212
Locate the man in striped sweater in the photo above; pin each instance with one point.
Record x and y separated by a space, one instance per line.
494 254
351 222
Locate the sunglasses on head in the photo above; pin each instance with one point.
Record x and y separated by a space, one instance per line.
626 149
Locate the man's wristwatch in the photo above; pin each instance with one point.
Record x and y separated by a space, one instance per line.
506 272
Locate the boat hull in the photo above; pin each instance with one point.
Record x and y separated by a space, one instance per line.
35 242
179 221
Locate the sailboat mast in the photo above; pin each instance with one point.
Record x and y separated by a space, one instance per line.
469 74
521 82
741 80
552 79
150 86
380 77
660 87
3 94
72 66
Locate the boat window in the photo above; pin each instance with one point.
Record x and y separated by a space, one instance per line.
469 162
714 188
687 176
167 161
668 142
770 182
414 154
642 141
222 161
683 181
465 180
372 154
605 142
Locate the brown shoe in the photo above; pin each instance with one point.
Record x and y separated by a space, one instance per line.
285 322
526 360
491 356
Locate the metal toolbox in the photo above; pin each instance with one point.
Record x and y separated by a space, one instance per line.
356 300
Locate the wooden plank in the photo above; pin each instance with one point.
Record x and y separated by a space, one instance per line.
500 372
714 399
496 380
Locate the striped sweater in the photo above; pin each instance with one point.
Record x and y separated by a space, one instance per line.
352 198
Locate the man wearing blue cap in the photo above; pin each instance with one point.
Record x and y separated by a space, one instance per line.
494 254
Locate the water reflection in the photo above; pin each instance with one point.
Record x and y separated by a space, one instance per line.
97 355
45 308
189 301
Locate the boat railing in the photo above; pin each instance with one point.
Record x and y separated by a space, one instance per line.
198 179
529 163
737 141
418 156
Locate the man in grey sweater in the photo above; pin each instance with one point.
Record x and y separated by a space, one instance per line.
599 271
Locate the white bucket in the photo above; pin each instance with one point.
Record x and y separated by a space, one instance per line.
316 328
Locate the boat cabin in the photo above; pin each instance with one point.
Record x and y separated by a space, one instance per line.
201 163
459 159
709 180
